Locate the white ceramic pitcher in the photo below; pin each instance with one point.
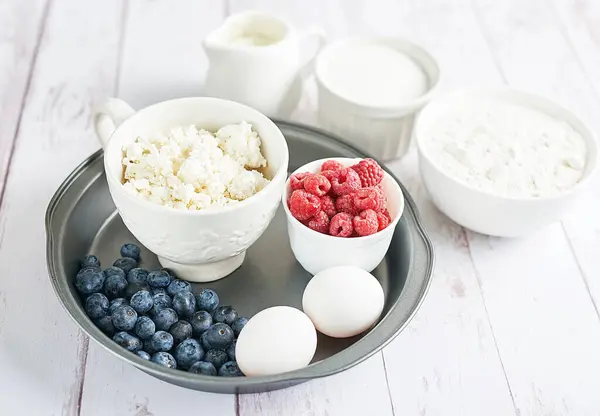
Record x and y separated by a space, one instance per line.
256 59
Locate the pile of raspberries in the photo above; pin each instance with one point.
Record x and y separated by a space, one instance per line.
340 201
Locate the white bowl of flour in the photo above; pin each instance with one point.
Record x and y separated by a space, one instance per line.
503 162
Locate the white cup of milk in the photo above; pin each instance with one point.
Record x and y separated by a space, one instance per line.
370 90
256 59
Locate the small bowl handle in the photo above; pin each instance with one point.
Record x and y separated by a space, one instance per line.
108 116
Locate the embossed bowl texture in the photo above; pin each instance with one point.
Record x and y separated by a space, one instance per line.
82 219
202 245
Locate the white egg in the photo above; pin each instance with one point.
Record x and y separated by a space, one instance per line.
343 301
276 340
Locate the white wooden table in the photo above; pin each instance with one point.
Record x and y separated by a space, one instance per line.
509 327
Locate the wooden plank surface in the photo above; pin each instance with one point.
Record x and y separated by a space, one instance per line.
538 303
161 58
43 354
21 27
509 326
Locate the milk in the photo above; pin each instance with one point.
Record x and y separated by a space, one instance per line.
374 75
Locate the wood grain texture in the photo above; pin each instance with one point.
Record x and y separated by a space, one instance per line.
579 22
429 371
538 303
42 352
161 59
21 25
508 326
362 390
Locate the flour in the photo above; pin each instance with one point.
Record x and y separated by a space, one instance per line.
374 75
506 149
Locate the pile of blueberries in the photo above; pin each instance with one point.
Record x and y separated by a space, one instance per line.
156 316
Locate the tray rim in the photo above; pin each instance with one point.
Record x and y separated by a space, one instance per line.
315 370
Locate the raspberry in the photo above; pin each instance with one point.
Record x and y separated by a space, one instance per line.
369 171
328 206
317 184
366 222
332 165
346 182
345 203
304 205
319 222
297 180
382 221
341 225
329 174
369 198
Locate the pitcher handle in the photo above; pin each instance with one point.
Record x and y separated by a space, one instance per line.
108 116
319 37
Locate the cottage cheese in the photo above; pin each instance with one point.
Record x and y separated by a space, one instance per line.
507 150
191 168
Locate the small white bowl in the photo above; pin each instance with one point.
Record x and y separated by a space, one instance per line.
316 251
483 212
383 131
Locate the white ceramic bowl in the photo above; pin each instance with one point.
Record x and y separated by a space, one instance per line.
383 131
203 245
492 214
316 251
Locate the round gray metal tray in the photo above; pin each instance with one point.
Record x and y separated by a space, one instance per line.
81 219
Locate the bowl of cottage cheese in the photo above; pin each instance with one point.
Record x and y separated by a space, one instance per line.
195 180
503 162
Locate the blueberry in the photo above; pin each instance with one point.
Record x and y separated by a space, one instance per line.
124 317
130 250
143 354
200 321
144 327
112 270
161 301
204 368
216 357
164 358
204 342
125 263
90 261
141 301
184 303
89 281
225 314
147 346
115 284
115 303
231 350
177 286
219 336
161 341
207 300
158 290
137 275
105 324
181 330
133 288
159 278
230 369
128 341
188 352
164 318
238 325
96 306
